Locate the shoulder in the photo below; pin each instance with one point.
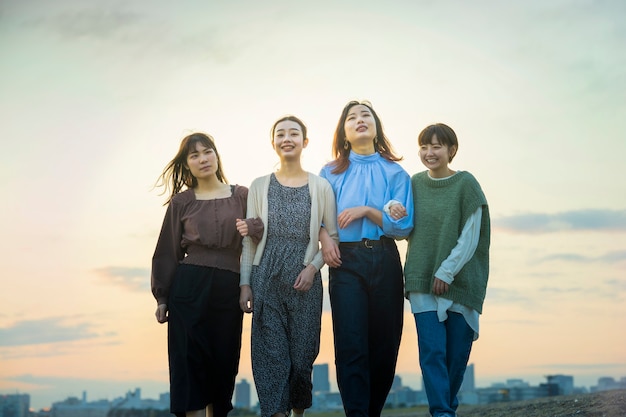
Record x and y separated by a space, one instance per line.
471 186
317 180
392 167
419 176
467 176
240 191
326 170
259 182
318 183
183 197
468 180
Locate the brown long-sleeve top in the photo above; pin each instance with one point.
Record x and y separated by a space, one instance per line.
200 232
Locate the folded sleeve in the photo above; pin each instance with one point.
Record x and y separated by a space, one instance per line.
255 228
401 192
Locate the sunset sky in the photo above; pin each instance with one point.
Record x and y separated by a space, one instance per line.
96 96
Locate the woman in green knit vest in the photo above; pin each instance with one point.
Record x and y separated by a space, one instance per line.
447 266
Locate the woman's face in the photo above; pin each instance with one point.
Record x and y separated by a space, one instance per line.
288 139
202 161
435 156
360 125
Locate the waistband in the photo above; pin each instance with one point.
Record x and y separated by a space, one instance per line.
368 243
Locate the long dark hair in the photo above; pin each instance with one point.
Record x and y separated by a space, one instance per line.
341 152
177 174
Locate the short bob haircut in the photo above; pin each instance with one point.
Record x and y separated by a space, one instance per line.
445 136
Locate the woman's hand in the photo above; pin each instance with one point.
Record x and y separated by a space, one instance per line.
440 287
161 313
397 211
242 227
304 281
354 213
330 250
245 298
350 214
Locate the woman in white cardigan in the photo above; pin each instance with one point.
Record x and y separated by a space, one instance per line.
280 275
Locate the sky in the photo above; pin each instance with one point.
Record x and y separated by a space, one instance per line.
96 96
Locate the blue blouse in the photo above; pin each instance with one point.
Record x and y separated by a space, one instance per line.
372 181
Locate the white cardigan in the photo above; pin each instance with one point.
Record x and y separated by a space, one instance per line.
323 212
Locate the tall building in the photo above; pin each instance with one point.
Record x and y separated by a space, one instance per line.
14 405
469 381
397 383
564 382
242 395
321 383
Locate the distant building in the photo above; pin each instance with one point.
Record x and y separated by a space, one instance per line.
74 407
242 395
14 405
514 392
565 383
327 401
516 383
469 381
403 397
321 382
131 400
397 383
607 383
163 403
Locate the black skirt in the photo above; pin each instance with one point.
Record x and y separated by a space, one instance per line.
204 339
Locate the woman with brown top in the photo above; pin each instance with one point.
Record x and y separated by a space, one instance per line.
195 278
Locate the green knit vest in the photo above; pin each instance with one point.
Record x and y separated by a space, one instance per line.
441 209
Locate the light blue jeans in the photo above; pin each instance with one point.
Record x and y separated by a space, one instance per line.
444 349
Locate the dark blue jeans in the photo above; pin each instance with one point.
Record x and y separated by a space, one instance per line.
367 300
444 349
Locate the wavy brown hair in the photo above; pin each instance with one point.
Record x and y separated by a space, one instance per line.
176 173
341 154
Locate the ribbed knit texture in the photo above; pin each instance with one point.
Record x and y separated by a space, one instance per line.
441 209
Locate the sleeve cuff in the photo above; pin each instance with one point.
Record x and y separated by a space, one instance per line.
387 206
444 275
255 229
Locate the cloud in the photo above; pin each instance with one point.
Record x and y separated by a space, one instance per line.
609 257
567 257
146 33
613 257
88 22
617 285
132 279
508 296
547 291
50 330
578 366
578 220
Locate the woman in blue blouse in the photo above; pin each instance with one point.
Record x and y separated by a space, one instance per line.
366 284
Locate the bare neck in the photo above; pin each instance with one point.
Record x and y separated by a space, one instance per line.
292 174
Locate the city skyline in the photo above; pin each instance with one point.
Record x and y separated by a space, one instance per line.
96 97
135 393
